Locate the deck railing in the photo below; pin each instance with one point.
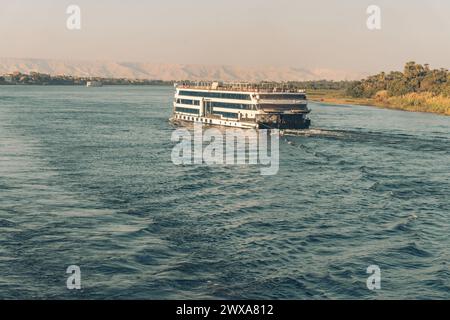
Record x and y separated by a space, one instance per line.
256 88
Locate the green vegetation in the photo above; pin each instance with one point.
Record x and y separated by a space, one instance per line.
421 102
321 85
417 88
415 78
35 78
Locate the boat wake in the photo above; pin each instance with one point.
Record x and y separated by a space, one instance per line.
315 133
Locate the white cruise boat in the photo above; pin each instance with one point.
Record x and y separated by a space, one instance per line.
94 84
257 106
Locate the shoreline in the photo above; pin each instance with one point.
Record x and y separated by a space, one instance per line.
371 102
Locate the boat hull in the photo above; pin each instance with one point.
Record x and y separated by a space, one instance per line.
273 122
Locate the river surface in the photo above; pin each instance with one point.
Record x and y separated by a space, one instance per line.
86 179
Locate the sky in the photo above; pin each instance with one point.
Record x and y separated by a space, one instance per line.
296 33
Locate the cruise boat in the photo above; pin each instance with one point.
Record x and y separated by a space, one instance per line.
94 84
241 105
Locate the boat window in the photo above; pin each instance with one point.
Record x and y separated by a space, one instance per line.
231 105
226 114
283 96
220 95
187 110
189 102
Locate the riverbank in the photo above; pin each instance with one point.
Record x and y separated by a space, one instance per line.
40 79
414 102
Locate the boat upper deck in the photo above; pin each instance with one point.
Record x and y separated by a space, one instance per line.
241 87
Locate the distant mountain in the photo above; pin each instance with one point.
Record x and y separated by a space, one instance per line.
138 70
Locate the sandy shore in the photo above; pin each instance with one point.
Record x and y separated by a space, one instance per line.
337 98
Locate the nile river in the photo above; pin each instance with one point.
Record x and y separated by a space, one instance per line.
86 179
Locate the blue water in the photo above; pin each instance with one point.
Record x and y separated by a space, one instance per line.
86 179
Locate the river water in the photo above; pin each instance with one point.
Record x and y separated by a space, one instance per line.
86 179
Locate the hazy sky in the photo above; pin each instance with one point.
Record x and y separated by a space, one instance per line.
298 33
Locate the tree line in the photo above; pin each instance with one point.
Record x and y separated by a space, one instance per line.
35 78
415 78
